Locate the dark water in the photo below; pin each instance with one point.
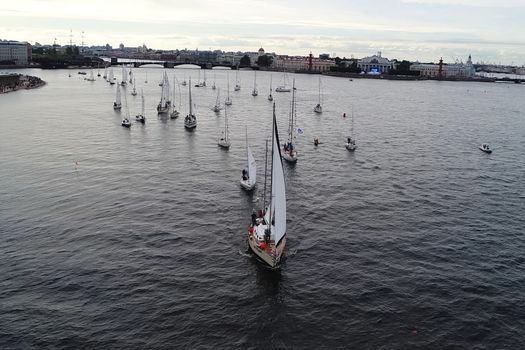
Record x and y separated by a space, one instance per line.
415 241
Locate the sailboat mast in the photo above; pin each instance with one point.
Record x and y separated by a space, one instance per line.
290 128
271 174
265 169
191 108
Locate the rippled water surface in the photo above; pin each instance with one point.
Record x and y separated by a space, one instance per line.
117 238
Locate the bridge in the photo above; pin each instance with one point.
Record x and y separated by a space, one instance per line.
171 64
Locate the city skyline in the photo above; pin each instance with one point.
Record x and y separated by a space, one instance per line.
407 29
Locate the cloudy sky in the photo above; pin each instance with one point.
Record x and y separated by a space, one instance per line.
490 30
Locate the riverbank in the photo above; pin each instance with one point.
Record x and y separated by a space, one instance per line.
405 77
14 82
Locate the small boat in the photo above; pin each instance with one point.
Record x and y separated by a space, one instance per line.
163 107
319 108
82 73
316 141
485 148
91 76
111 78
213 86
254 91
141 118
249 174
105 76
190 122
267 231
117 105
131 80
289 152
184 81
224 139
126 123
134 91
174 113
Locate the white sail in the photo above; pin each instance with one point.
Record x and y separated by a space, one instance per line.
124 75
143 109
111 77
278 199
252 166
118 99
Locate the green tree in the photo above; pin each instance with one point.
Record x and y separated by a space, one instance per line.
265 61
76 52
245 61
69 51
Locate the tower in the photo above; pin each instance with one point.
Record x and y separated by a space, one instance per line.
310 63
440 70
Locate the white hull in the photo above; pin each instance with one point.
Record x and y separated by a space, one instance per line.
224 144
228 103
117 107
140 119
282 89
271 255
190 125
162 110
248 185
174 114
291 158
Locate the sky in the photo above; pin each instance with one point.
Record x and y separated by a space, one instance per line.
492 31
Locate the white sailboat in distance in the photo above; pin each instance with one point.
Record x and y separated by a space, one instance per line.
190 122
249 174
267 232
224 139
318 108
142 116
117 105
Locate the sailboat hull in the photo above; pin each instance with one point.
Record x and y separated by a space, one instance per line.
248 185
271 255
291 158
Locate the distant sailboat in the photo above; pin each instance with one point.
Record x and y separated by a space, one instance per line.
105 76
228 101
289 151
142 116
237 81
249 174
146 80
117 105
131 76
224 140
190 122
267 232
162 107
184 81
254 91
350 141
213 86
111 78
126 122
284 87
217 108
124 76
174 113
134 91
319 108
91 77
270 97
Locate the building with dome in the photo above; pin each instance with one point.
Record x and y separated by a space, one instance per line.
375 64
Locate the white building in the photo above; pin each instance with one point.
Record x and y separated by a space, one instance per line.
457 70
16 51
375 64
301 63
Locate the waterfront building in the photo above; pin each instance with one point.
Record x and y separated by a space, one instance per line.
15 52
301 63
375 64
455 71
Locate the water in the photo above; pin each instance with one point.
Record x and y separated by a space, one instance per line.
117 238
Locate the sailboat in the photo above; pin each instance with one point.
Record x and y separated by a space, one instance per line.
174 113
146 80
254 92
224 140
91 77
350 141
168 88
204 80
163 107
184 81
134 91
124 76
117 105
131 76
319 108
217 108
213 86
267 232
289 152
284 87
142 116
126 122
228 101
98 69
270 97
249 174
237 82
105 76
111 78
190 122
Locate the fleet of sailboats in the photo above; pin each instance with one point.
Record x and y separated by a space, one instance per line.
267 232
